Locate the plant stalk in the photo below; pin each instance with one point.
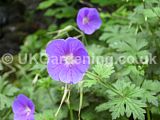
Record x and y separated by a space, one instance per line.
62 101
108 85
69 106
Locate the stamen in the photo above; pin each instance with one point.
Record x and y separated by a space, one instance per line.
69 59
28 110
85 20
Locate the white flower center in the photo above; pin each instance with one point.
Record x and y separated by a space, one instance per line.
69 59
28 110
85 20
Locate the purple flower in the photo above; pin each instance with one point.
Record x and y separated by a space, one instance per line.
23 108
68 60
88 20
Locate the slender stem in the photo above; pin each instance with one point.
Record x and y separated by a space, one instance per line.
84 39
144 5
61 34
108 85
78 36
69 105
54 32
81 33
66 29
62 101
148 114
86 3
77 30
65 32
80 102
7 114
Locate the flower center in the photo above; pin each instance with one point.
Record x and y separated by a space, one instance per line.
28 110
69 59
85 20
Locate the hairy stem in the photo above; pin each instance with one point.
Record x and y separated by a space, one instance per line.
62 101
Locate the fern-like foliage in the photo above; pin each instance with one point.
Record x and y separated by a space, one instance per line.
124 40
103 71
128 104
151 91
7 91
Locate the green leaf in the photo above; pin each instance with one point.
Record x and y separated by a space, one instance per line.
46 4
153 12
121 106
151 85
61 12
89 83
135 107
5 102
99 51
90 76
116 106
104 70
151 89
105 2
46 115
127 89
50 114
116 33
7 92
44 82
128 104
150 97
40 67
126 42
10 90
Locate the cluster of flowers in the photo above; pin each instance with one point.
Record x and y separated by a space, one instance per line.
69 71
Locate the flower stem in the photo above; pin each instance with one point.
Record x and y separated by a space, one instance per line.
7 114
148 114
80 102
111 87
84 39
62 101
106 85
82 34
69 105
65 31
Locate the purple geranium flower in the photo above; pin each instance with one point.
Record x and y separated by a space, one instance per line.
68 60
23 108
88 20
